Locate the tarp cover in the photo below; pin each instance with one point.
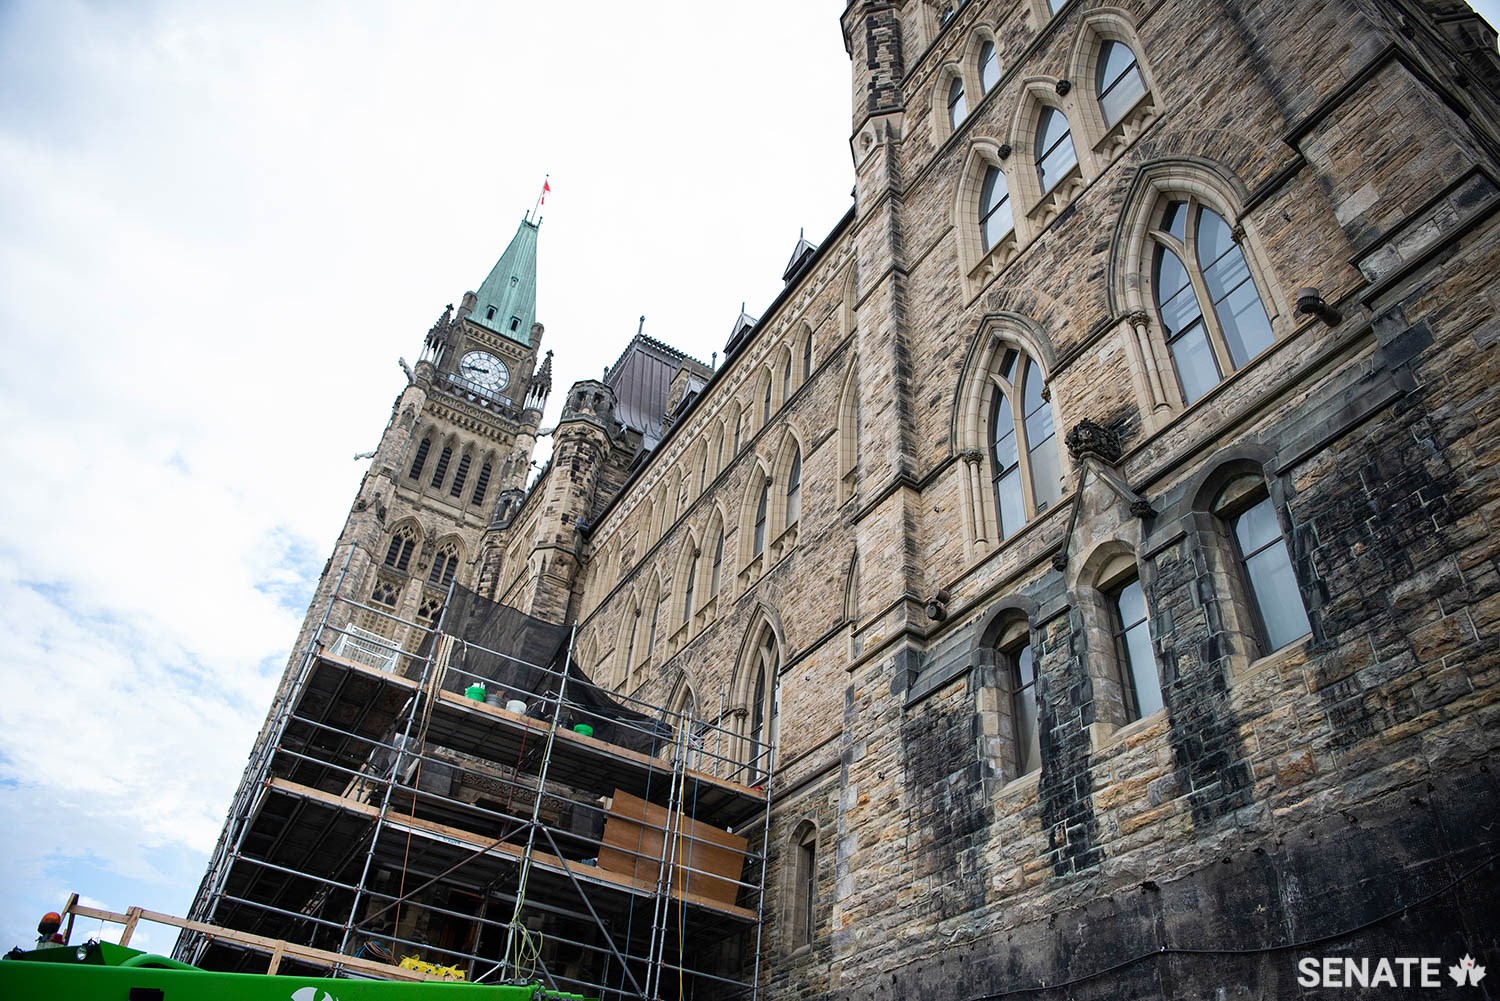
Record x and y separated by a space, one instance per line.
519 657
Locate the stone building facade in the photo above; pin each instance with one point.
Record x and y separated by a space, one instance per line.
1099 528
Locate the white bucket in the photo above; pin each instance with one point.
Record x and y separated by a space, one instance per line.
516 706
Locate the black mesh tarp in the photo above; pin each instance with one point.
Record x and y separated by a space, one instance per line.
519 657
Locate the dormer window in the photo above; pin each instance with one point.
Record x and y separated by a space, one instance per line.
515 323
489 313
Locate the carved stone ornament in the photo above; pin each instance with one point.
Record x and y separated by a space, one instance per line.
1138 318
1063 86
1005 151
1088 438
1060 560
1142 509
972 456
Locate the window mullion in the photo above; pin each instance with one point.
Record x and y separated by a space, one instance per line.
1210 316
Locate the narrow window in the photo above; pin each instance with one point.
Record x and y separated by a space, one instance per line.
760 519
1139 678
515 323
765 406
651 632
995 221
1117 81
689 592
1267 566
420 459
1046 468
1055 155
794 491
958 106
807 357
459 476
1023 711
489 313
805 891
1211 313
481 484
761 722
786 380
713 575
441 469
635 630
989 67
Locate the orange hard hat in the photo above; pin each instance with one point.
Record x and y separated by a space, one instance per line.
50 922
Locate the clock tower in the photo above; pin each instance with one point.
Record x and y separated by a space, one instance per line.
461 434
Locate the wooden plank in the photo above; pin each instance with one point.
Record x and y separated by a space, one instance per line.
259 943
709 861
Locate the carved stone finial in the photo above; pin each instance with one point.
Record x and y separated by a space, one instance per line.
1088 438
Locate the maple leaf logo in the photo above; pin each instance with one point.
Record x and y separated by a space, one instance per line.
1466 971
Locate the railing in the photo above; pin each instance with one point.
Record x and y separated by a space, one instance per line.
367 648
480 395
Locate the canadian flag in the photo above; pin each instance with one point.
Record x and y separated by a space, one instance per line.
546 187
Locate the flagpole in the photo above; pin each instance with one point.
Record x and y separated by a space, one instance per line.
541 195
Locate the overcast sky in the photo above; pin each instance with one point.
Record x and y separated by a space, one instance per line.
220 226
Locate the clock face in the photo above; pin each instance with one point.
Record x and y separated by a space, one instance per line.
484 370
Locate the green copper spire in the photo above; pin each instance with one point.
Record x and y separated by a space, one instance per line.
507 299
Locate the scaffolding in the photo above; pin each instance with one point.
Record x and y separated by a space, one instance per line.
419 796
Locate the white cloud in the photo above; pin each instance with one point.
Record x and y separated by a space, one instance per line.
220 225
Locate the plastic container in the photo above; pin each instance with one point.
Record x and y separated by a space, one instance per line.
584 729
475 692
516 706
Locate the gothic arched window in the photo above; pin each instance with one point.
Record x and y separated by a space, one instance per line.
1117 81
398 553
444 567
989 67
1205 297
759 543
958 105
758 677
995 218
689 591
1140 680
1265 566
1027 470
794 490
1055 155
1021 672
